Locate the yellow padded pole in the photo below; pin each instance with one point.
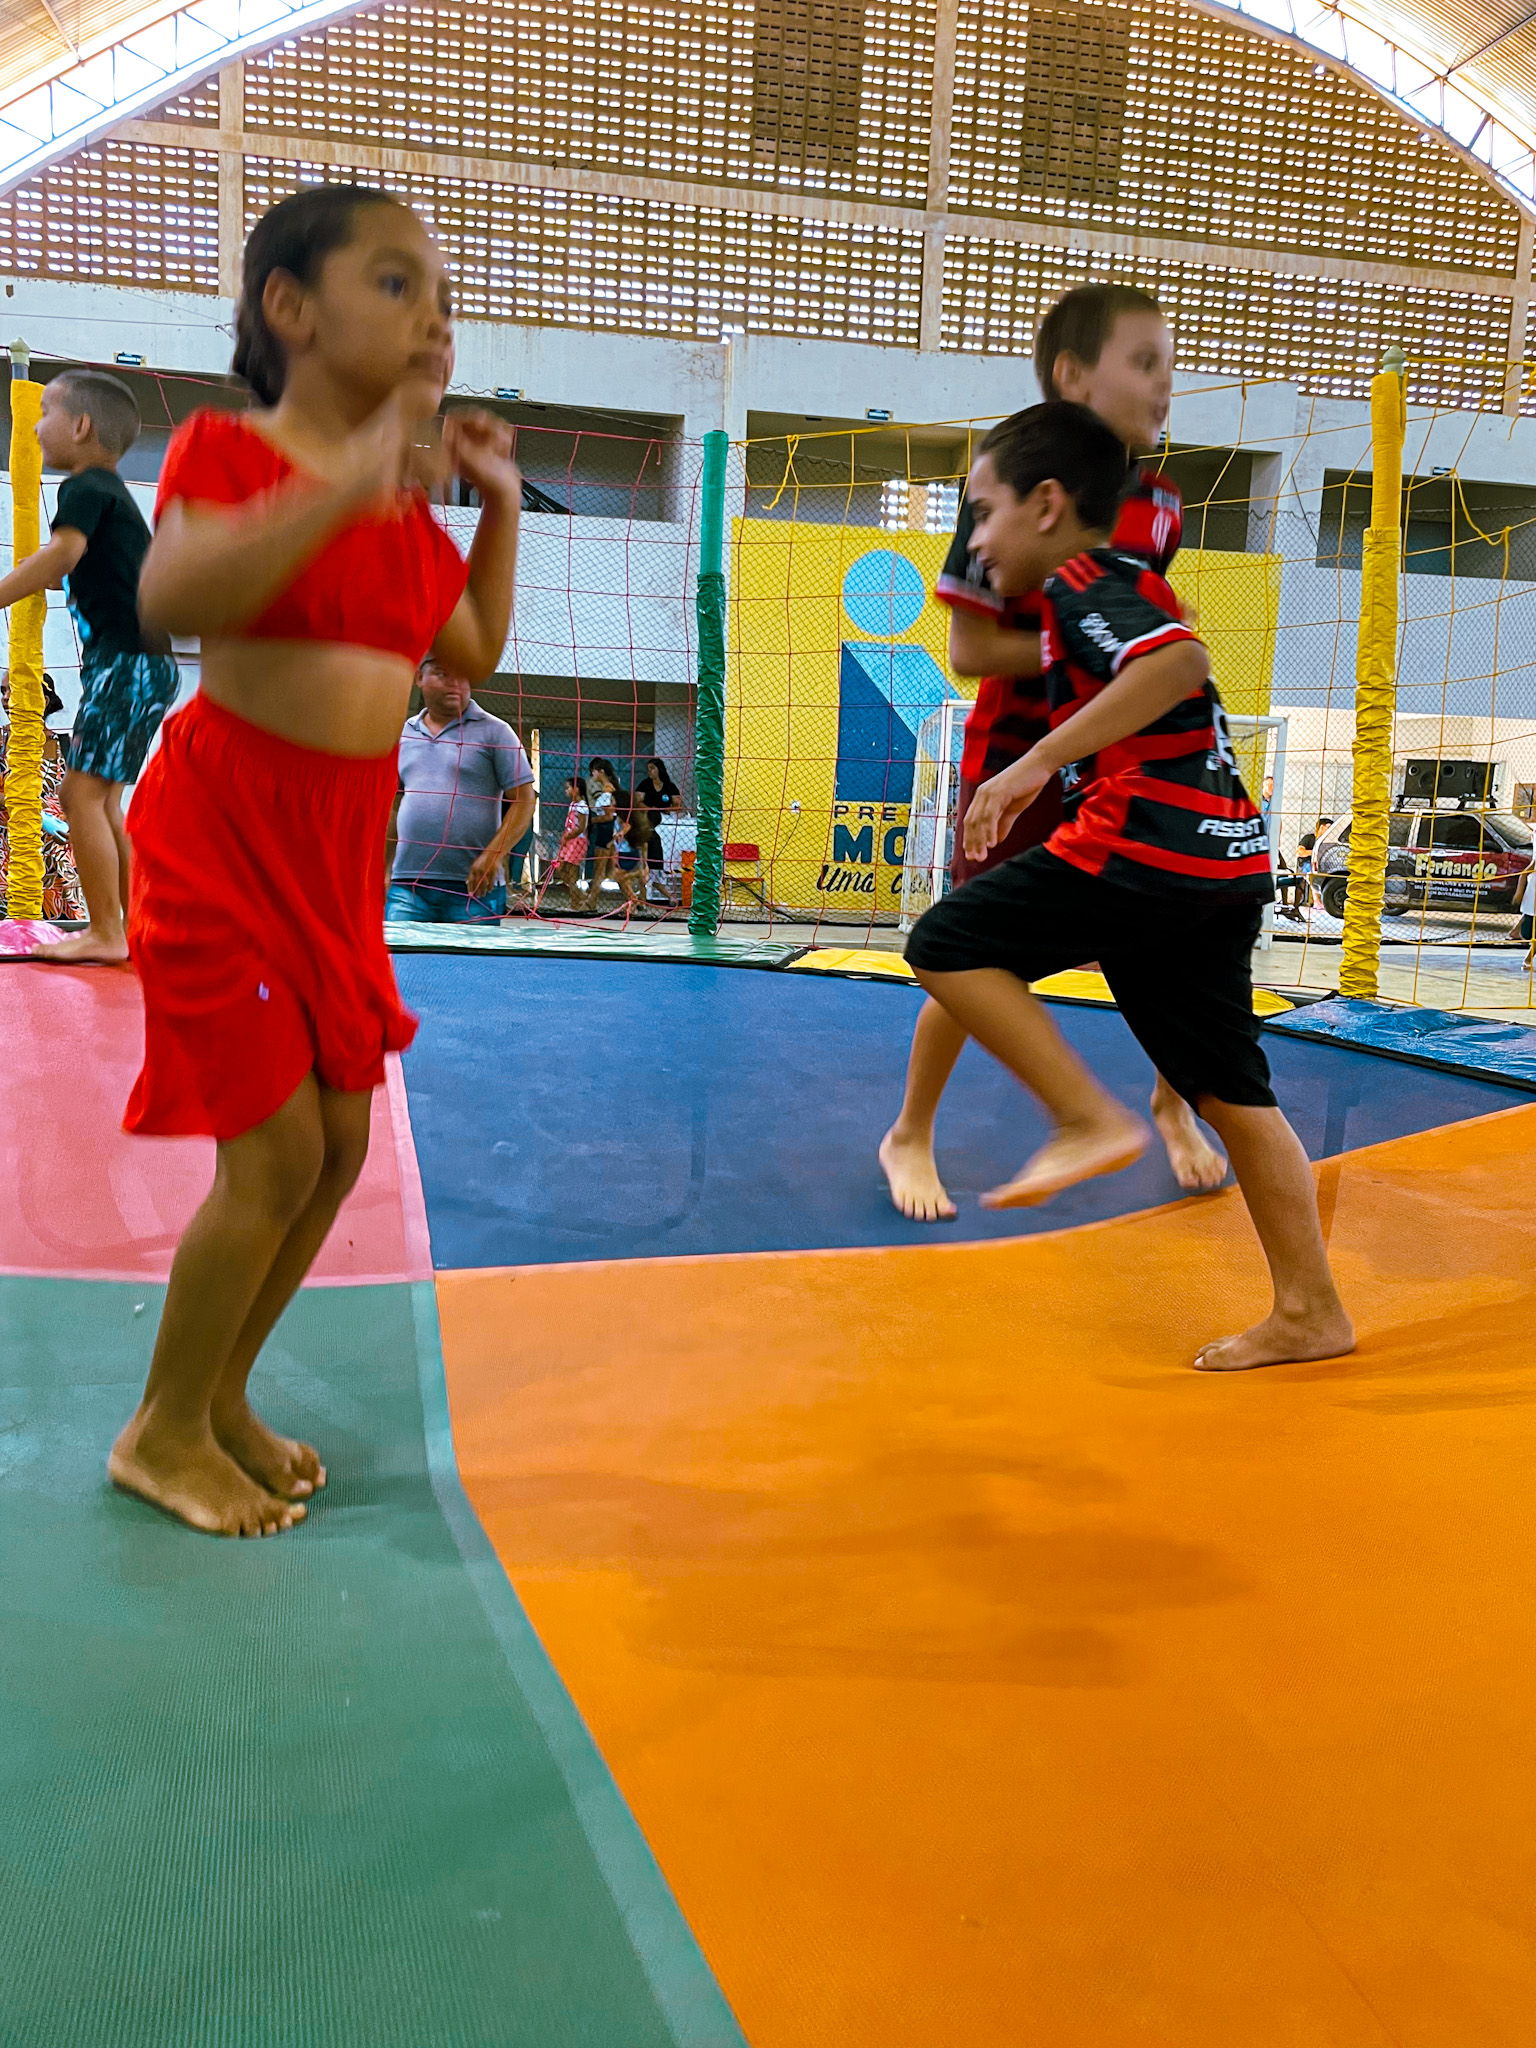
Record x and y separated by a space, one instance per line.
24 756
1375 685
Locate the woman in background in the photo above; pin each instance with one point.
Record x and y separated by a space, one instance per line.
660 796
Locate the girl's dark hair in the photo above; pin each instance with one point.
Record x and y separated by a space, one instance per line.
601 761
1080 324
581 785
668 786
297 236
1070 444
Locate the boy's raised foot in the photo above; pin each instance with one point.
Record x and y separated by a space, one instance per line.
913 1178
282 1464
1197 1166
82 949
1282 1340
1075 1152
197 1482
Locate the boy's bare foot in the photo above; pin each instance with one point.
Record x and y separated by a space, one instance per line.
197 1482
913 1176
1074 1153
82 949
283 1465
1196 1163
1282 1340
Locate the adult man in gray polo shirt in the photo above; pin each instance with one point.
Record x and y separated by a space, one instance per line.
448 833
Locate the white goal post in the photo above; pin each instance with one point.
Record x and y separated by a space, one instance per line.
936 788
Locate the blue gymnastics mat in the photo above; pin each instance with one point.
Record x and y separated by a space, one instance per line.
570 1109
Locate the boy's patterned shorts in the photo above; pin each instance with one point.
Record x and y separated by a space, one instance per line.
122 701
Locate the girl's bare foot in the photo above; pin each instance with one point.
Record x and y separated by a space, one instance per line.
83 949
284 1466
1196 1163
1074 1153
913 1176
196 1481
1282 1340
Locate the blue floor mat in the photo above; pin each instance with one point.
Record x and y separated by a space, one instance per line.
580 1109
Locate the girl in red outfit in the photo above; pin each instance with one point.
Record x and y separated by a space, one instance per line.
292 541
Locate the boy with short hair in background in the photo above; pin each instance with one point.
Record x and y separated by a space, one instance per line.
128 681
1106 346
1158 867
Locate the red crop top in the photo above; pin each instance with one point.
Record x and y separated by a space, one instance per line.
385 583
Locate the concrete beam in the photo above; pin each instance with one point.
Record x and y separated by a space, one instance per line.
231 180
1519 320
384 162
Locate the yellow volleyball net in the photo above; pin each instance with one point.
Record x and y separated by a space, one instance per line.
1365 576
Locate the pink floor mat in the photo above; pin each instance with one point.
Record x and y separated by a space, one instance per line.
79 1197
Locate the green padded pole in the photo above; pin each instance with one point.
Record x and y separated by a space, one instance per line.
709 718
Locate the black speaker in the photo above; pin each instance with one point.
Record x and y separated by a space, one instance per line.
1467 781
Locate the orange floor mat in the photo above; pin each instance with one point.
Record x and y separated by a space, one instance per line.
981 1675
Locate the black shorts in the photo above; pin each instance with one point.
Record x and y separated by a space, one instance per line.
1177 965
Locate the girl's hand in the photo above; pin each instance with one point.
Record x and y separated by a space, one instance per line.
478 448
375 459
992 810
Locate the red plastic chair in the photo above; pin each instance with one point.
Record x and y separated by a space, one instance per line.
742 854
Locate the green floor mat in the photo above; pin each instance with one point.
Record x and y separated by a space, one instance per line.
313 1792
591 942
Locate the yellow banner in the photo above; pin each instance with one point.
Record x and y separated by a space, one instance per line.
869 844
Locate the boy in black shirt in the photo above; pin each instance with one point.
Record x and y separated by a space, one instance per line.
1159 869
127 683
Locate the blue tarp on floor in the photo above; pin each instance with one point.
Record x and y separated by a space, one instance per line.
1487 1047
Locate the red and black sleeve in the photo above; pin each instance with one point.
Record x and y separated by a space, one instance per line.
1103 620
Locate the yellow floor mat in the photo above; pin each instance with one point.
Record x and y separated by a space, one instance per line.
1078 985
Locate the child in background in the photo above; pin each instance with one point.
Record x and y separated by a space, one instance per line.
1107 347
128 680
603 800
62 899
634 839
294 543
1159 867
572 850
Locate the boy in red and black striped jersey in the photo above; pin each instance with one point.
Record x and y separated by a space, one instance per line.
1108 347
1159 866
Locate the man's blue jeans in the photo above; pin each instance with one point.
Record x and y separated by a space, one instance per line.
442 903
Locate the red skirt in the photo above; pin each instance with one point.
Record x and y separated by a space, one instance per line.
257 924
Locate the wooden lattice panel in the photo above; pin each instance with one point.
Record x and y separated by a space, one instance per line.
118 214
1228 136
1327 334
807 82
664 88
1076 70
585 260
